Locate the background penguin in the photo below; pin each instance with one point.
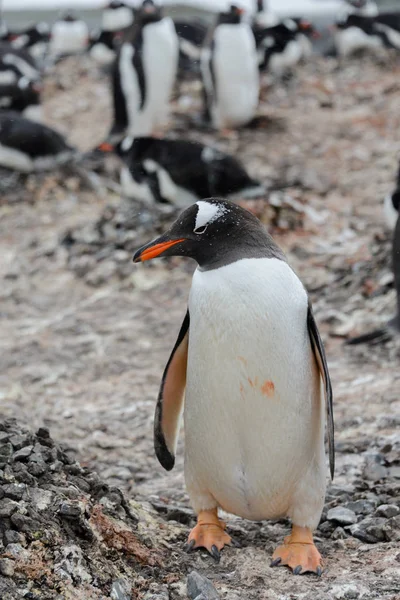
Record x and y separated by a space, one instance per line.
35 39
180 171
229 67
69 35
28 146
391 205
16 63
252 361
144 73
116 16
191 36
102 47
279 49
23 97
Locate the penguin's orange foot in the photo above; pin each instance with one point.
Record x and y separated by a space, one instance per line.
209 533
299 553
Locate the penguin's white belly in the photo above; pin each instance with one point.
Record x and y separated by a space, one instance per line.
287 59
253 415
352 39
235 63
160 64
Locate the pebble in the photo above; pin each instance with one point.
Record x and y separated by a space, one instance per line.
361 507
120 591
198 585
387 510
7 508
14 537
19 441
374 468
371 530
7 567
14 491
70 511
23 454
342 515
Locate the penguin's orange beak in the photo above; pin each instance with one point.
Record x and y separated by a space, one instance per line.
153 250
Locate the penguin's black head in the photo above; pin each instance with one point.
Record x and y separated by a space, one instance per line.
149 12
214 232
233 16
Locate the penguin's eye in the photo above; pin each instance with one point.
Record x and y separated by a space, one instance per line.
200 229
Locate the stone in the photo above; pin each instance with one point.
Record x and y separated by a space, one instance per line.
7 508
387 510
14 537
70 511
371 530
198 585
23 454
362 507
374 468
7 567
19 441
14 491
392 529
120 590
342 515
41 499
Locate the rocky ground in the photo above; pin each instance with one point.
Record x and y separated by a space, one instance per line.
86 334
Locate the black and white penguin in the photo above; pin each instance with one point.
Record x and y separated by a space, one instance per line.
116 16
251 365
16 63
363 8
144 73
27 146
69 35
279 47
35 39
191 36
103 47
229 67
23 97
391 205
180 171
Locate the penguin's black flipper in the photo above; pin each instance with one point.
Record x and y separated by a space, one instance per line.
170 399
319 354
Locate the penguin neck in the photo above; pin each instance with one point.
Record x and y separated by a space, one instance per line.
228 251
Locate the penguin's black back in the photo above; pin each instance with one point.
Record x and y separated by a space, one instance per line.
33 139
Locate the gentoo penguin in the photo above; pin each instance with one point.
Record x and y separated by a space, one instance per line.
16 63
279 49
35 39
180 171
252 361
69 35
23 97
116 16
144 73
229 67
305 33
28 146
191 36
102 47
391 206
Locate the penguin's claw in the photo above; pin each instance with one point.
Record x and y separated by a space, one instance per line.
189 546
209 536
215 553
299 553
275 562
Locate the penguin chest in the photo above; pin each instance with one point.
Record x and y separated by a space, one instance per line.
235 66
252 408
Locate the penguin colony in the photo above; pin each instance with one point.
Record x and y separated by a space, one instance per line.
254 426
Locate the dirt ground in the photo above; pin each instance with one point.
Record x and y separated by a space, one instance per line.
84 355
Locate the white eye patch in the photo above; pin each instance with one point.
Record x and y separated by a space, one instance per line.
207 213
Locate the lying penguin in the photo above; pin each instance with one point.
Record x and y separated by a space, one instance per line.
253 365
27 146
180 171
